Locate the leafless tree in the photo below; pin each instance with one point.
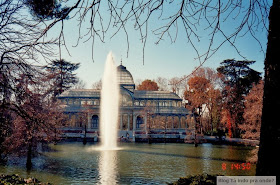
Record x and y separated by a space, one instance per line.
97 85
162 83
211 16
80 84
21 47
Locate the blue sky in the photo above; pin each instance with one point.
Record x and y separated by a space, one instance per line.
163 60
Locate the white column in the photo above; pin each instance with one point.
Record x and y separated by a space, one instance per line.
134 122
121 123
128 122
134 127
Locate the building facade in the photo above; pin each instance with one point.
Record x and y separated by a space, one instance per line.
141 112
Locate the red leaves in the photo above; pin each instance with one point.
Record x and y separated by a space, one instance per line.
253 112
148 85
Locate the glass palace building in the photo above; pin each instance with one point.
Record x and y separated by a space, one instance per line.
141 112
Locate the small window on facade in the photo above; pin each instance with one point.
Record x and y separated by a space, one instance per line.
70 101
94 121
76 102
170 103
96 102
179 104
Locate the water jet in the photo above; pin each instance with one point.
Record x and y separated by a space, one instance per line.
109 105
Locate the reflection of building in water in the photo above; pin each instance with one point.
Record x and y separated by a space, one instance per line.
140 111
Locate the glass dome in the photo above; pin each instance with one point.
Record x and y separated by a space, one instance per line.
125 78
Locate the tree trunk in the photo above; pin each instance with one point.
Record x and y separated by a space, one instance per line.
269 140
85 136
29 156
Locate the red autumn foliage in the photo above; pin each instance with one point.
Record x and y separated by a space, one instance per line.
253 112
203 96
148 85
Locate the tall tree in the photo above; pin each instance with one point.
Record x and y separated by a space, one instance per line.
270 130
61 74
148 85
196 94
21 45
36 119
238 79
253 112
204 97
213 96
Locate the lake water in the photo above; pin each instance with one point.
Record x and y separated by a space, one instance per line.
134 163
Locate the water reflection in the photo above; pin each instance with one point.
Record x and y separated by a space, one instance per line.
107 167
133 163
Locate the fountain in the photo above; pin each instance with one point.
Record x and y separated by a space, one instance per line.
109 108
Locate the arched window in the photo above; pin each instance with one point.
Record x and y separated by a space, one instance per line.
96 102
136 103
170 104
76 102
94 121
142 103
179 104
126 100
139 122
70 102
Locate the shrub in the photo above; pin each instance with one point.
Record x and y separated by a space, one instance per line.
203 179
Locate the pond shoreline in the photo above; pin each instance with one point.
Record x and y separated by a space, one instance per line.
202 139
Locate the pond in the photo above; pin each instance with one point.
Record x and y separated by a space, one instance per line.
133 163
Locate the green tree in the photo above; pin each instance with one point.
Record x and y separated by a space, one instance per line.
60 73
238 78
46 9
